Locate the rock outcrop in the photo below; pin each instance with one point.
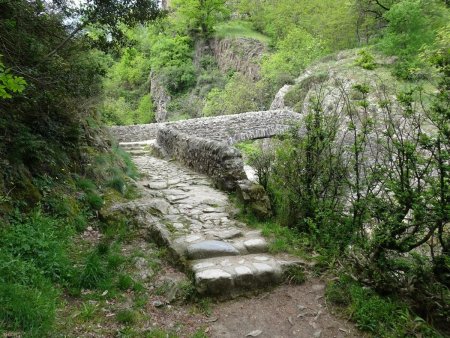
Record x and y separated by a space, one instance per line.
240 54
160 96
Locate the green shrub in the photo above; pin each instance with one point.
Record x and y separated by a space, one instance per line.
294 53
239 95
411 69
172 59
366 60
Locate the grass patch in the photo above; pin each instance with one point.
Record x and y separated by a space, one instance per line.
239 29
126 317
88 311
381 316
158 333
295 275
27 308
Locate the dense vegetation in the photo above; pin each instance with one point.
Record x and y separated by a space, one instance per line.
381 225
57 166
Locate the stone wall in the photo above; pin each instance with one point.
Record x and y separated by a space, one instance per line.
218 160
136 133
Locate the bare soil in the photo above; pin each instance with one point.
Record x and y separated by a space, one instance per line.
286 311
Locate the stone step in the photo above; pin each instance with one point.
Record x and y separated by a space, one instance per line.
227 277
137 152
209 244
127 146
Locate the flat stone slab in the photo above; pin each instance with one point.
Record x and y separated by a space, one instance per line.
231 276
208 249
256 245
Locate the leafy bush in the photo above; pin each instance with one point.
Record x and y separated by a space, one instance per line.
126 90
10 83
296 51
412 25
366 60
238 96
171 57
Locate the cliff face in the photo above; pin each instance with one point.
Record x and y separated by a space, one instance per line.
234 54
242 55
160 96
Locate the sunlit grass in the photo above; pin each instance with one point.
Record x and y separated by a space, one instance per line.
239 29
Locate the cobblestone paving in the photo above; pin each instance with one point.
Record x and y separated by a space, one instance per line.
197 222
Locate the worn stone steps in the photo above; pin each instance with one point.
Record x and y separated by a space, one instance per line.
142 145
183 210
229 276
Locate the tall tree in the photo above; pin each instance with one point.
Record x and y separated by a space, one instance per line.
200 16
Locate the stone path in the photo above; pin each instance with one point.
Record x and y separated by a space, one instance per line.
196 221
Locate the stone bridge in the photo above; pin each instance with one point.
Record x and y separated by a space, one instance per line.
182 210
206 144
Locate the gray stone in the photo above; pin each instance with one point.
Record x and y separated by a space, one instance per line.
228 234
254 197
158 204
261 258
213 281
157 185
256 245
201 266
192 238
254 333
208 249
263 268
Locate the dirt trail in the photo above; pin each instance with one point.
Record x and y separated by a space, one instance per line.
286 311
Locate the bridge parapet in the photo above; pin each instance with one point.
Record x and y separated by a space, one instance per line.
231 129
